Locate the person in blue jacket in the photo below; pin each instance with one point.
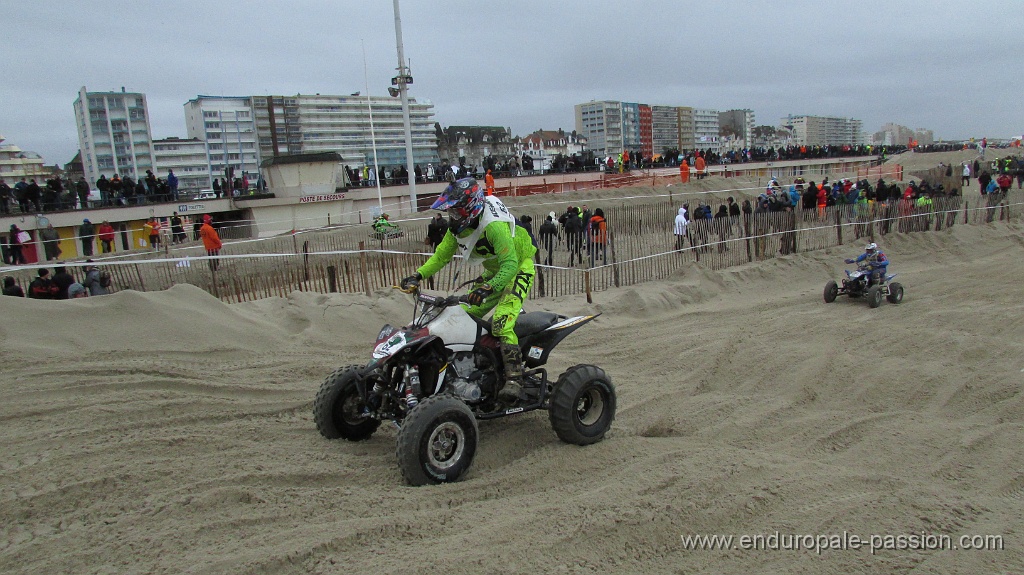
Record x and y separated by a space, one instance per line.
875 260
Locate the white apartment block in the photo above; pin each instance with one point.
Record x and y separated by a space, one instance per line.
322 123
16 164
188 159
705 130
113 134
824 131
601 124
228 127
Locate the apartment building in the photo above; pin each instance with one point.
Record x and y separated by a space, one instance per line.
330 123
601 124
16 164
189 160
824 130
664 128
227 125
114 134
706 130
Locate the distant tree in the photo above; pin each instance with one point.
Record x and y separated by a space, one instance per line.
764 132
728 131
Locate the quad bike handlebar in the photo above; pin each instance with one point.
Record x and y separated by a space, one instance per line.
437 301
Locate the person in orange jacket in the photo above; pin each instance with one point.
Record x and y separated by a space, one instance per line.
489 183
597 229
153 227
700 165
211 240
684 172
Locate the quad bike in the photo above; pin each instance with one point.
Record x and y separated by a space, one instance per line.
385 230
858 285
437 376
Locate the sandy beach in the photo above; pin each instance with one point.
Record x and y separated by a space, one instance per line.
169 432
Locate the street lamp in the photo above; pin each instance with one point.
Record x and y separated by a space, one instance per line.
403 79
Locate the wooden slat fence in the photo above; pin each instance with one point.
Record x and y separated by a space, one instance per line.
641 247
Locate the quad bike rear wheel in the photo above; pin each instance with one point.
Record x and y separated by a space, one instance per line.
895 292
874 296
338 408
437 441
582 405
831 291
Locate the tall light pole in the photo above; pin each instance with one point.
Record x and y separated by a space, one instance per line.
402 81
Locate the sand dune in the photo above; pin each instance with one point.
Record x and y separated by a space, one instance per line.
171 433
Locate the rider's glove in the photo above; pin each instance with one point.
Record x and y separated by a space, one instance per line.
477 296
849 261
411 283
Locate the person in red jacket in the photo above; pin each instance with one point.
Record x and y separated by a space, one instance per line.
1004 181
106 234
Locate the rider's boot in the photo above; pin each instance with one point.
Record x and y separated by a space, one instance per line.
512 358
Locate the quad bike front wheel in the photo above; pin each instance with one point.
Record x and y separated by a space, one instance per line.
437 441
582 405
895 292
338 408
831 291
874 296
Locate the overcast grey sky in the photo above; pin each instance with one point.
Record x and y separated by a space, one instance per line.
949 65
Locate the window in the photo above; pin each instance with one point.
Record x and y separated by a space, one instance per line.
208 114
213 125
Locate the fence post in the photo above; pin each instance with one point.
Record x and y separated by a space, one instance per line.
839 228
216 288
305 259
965 211
586 282
138 272
332 279
615 265
746 232
362 268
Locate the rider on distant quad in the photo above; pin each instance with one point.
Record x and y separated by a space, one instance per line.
481 228
876 262
381 225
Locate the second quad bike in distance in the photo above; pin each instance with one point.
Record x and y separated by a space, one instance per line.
858 285
436 377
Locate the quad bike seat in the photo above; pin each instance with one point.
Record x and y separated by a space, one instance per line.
527 323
